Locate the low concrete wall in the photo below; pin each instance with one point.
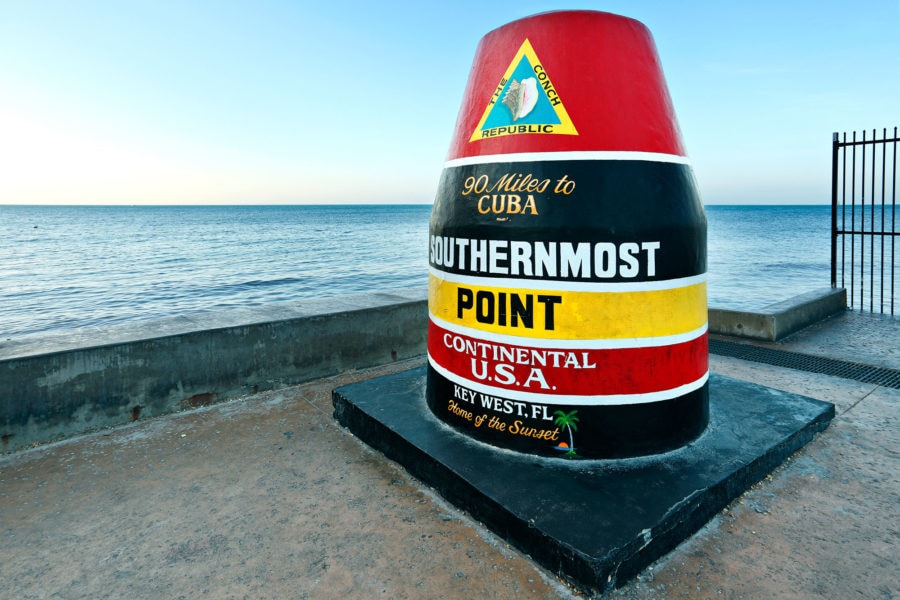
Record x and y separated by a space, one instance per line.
61 385
776 321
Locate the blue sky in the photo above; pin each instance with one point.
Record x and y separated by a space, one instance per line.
165 102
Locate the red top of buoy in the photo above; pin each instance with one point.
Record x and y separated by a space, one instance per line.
566 81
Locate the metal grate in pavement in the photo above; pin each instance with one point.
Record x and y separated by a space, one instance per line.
804 362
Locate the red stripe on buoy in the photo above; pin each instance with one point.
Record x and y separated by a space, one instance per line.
610 82
559 372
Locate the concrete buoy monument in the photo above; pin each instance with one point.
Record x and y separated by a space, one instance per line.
566 401
567 286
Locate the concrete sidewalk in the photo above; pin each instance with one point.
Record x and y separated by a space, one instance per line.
826 524
267 497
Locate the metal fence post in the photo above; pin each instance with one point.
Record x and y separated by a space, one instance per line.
834 200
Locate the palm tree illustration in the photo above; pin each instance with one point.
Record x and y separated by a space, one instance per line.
570 422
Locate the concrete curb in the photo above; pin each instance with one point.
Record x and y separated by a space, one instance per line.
776 321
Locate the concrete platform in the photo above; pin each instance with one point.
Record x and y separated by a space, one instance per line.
596 523
267 496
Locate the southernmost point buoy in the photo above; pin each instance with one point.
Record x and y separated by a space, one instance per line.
568 319
567 285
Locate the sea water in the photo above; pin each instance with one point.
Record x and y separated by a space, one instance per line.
66 267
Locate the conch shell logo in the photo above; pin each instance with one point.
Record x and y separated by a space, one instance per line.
530 97
521 97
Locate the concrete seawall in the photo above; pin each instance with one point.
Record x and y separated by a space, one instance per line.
61 385
58 385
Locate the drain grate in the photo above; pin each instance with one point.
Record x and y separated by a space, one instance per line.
804 362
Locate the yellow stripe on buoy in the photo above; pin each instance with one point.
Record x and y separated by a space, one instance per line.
569 315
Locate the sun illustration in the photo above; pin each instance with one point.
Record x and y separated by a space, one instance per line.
564 447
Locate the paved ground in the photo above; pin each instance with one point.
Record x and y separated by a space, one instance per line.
267 497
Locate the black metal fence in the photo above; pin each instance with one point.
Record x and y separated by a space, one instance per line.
864 220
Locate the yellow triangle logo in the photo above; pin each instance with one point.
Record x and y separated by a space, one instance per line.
524 101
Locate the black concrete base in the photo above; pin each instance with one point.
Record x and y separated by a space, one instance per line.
596 523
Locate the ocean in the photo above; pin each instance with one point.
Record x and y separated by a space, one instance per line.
68 267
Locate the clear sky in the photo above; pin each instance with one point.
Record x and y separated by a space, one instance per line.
335 101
